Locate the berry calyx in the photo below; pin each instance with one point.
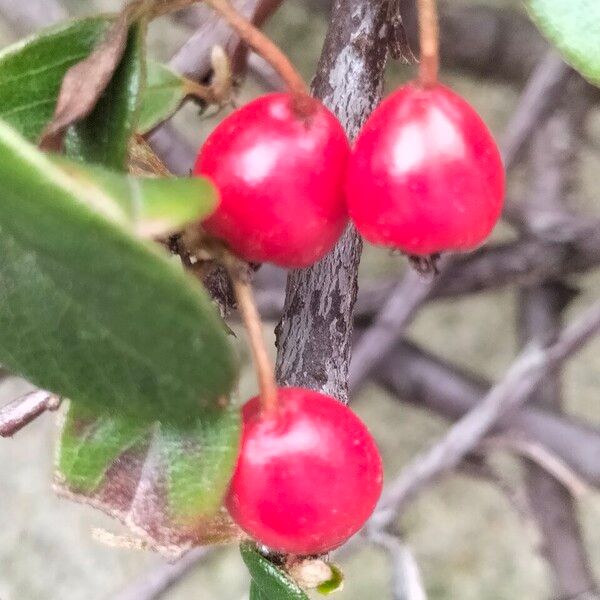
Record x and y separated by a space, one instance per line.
308 476
425 175
280 175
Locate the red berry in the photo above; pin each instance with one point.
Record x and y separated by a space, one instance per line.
281 179
426 175
308 475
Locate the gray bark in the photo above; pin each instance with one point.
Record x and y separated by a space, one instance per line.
315 332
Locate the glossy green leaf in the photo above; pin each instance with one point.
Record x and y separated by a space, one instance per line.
91 313
154 206
31 71
574 27
165 482
103 137
272 582
165 91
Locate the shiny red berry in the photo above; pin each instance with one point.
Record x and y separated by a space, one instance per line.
281 176
425 175
308 476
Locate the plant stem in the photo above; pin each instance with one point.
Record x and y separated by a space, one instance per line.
265 372
258 41
429 41
261 44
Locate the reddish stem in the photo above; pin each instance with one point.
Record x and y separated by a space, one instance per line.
261 44
429 42
247 307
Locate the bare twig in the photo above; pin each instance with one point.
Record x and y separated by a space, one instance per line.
552 487
264 73
526 373
154 583
476 466
418 377
407 583
541 94
544 460
22 411
389 325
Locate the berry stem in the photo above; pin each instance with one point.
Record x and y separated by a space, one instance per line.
261 44
238 271
429 42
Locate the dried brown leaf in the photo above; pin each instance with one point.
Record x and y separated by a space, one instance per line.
134 492
85 82
143 161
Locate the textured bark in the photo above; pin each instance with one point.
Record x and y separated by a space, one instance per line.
315 332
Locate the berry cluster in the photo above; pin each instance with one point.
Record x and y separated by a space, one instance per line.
424 176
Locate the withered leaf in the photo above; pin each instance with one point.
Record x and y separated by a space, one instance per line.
85 82
165 485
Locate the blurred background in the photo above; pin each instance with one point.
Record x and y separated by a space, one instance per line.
472 538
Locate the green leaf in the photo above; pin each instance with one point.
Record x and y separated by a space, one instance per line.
91 313
574 27
255 592
165 91
103 137
271 581
32 70
166 483
91 442
200 464
154 206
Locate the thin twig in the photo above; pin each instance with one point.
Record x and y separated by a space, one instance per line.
542 457
475 466
418 377
22 411
543 91
154 583
526 373
390 324
407 583
551 485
